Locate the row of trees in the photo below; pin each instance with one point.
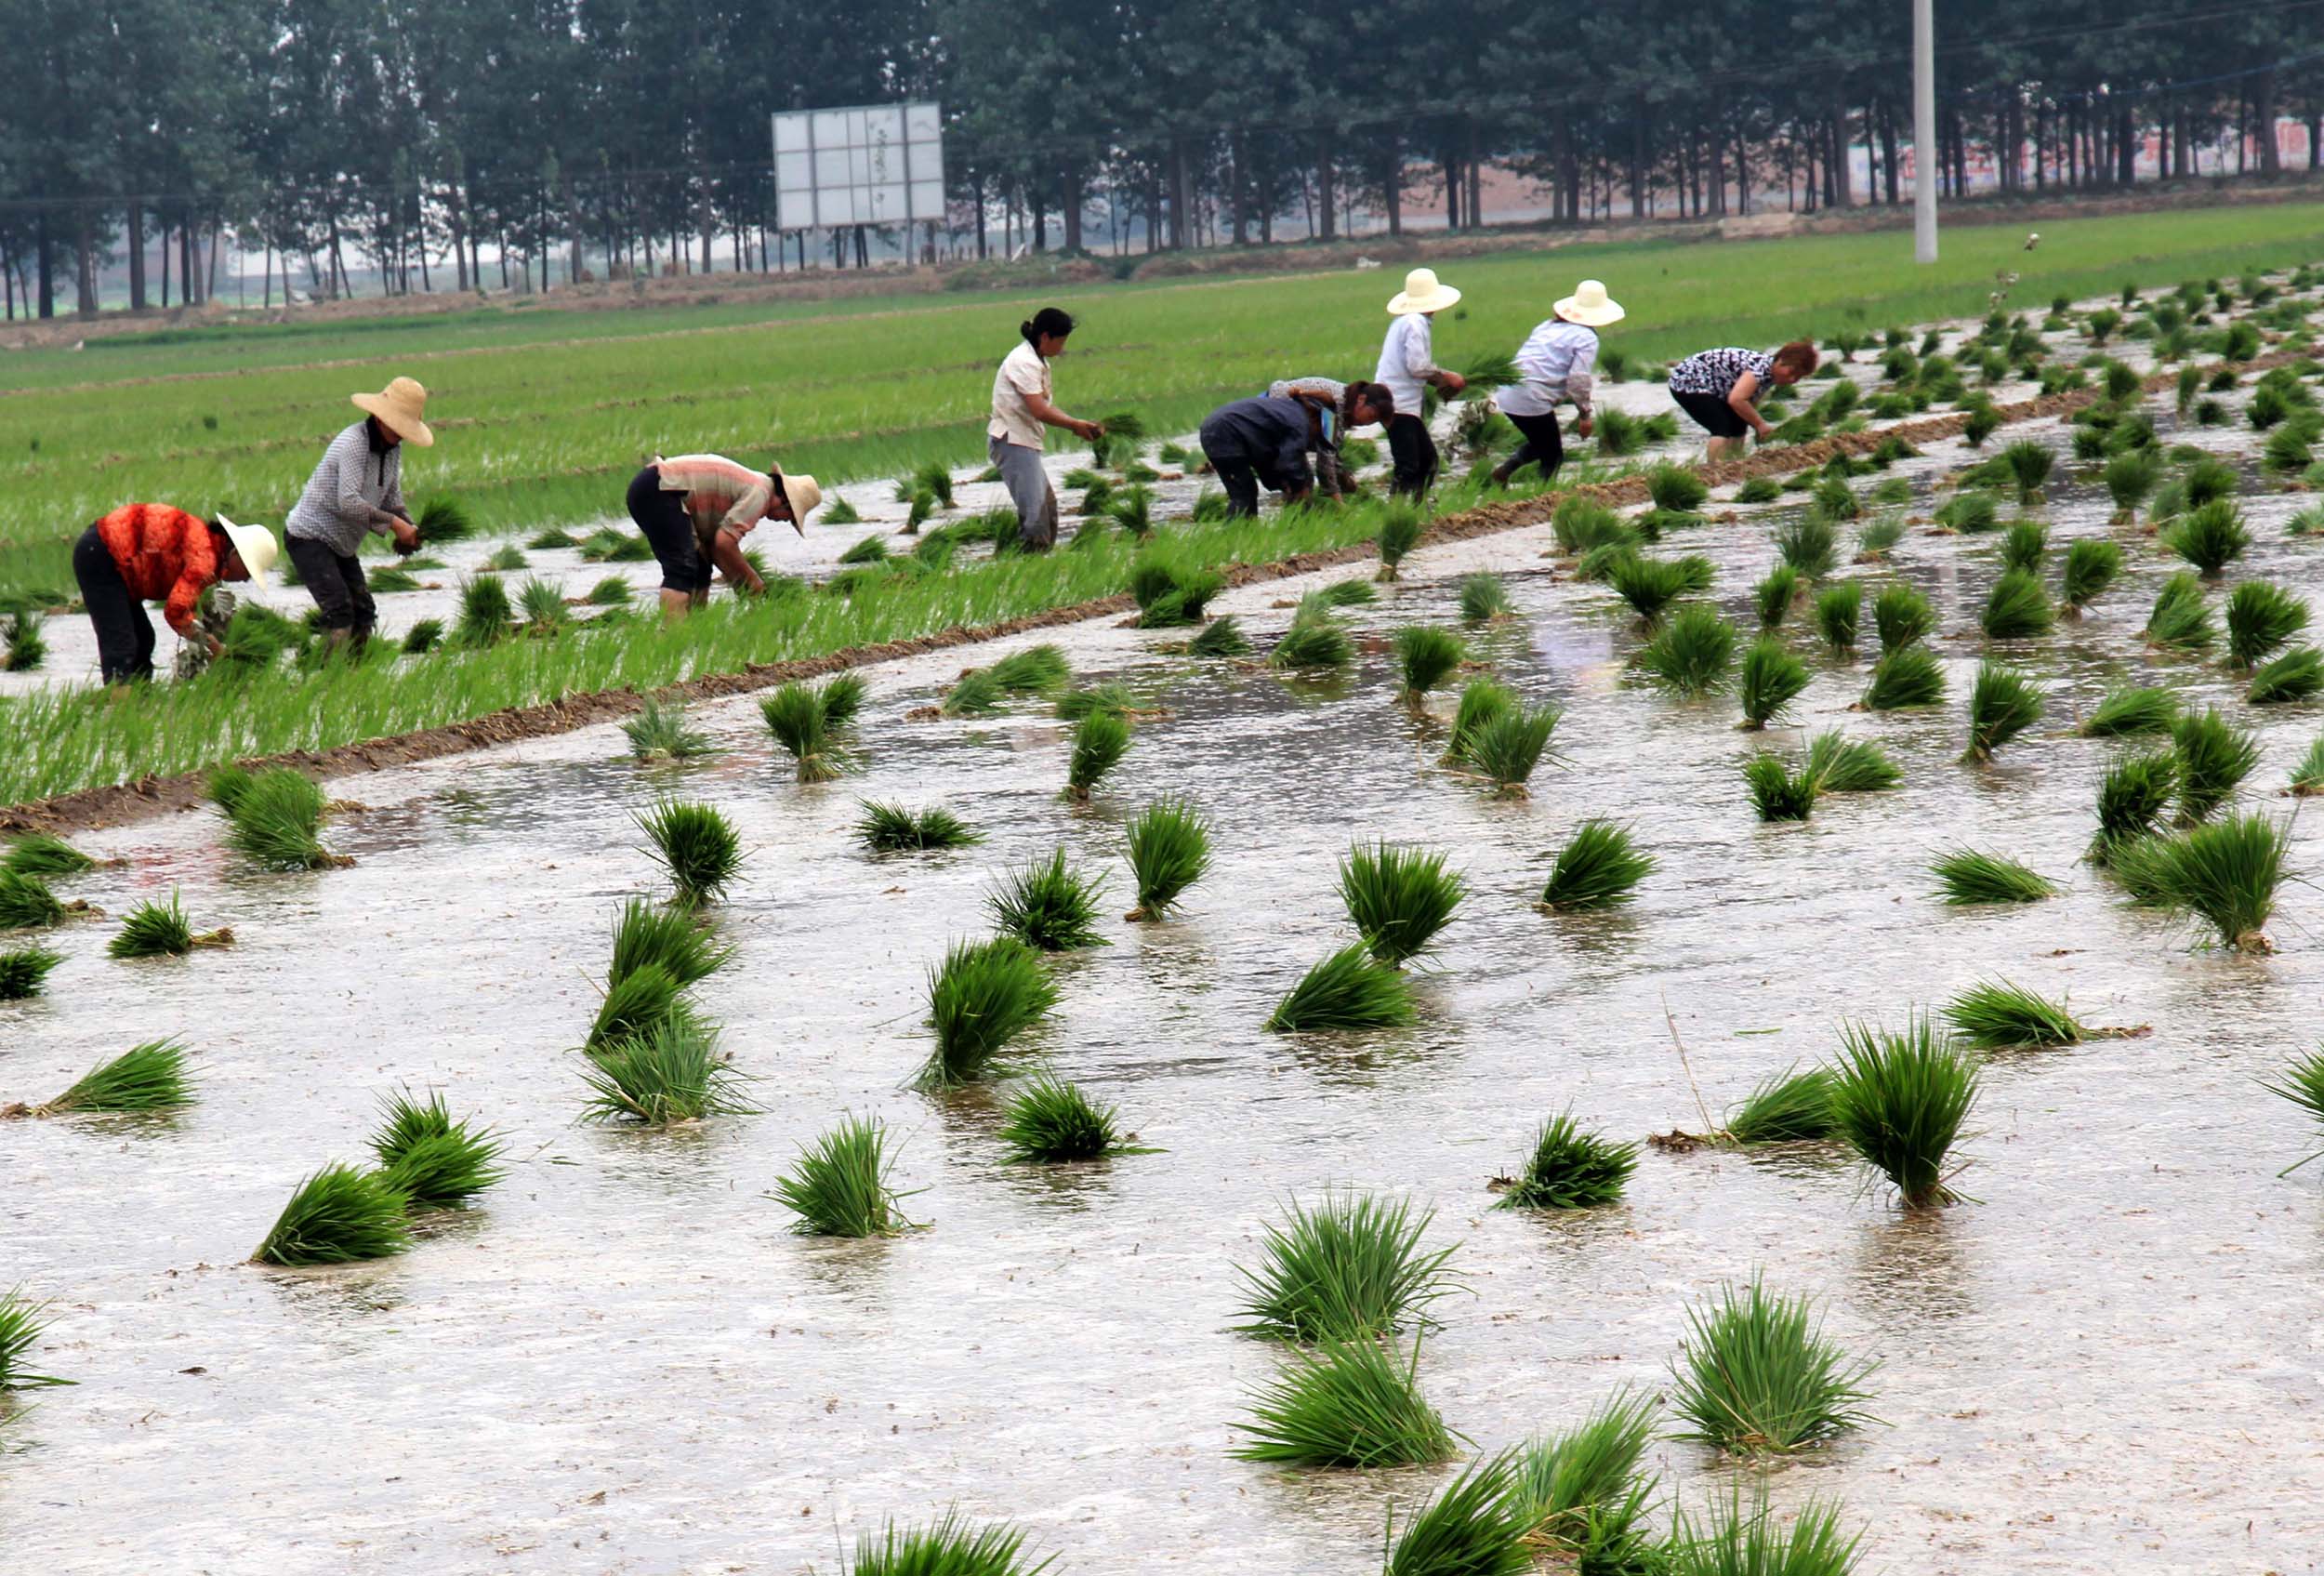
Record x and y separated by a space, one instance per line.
440 144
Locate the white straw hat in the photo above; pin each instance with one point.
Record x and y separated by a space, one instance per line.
255 544
1590 306
1422 293
398 407
804 495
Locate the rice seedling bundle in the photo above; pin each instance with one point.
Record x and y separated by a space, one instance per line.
1843 765
1649 584
2091 566
2179 619
1483 598
1692 652
1759 489
1675 489
1581 524
2131 799
1170 595
1224 637
669 1072
1399 897
838 511
1506 747
1599 562
1475 1527
697 848
871 549
1969 512
2302 1083
673 941
22 645
2022 545
339 1215
505 561
1736 1540
145 1077
1778 793
275 820
1351 1403
1111 695
443 519
1617 433
423 636
26 903
386 582
1770 679
1983 422
1037 669
1482 700
2003 704
949 1547
1101 739
1351 1269
2297 675
977 694
1969 876
154 929
795 716
2307 778
1755 1375
44 855
1426 655
1599 868
436 1162
2018 607
1902 616
2261 617
256 639
2129 477
983 996
486 613
1312 645
1048 905
1786 1108
1560 1482
1568 1169
1907 676
1170 849
1120 437
1839 611
2286 452
1340 593
660 731
1898 1100
24 972
1809 545
1347 990
1773 595
1401 524
22 1322
838 1185
551 540
2209 535
2223 873
1834 499
2213 756
1997 1015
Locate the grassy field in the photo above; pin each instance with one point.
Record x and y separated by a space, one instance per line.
543 415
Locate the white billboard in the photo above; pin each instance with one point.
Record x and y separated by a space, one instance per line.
877 164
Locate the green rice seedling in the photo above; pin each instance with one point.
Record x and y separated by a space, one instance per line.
1786 1108
1340 593
2302 1083
423 636
1484 599
386 582
1770 680
1693 652
1112 695
1617 433
838 1186
642 992
1314 645
1482 700
2208 479
977 694
1839 611
1119 439
1997 1015
1599 868
795 715
1558 1482
44 855
2225 874
1568 1169
443 520
1399 897
660 733
1875 537
1347 990
1600 562
2129 477
256 639
1905 677
1756 1376
2091 566
1101 740
1050 1121
1967 876
486 613
2261 617
1170 849
2022 545
2309 521
1224 637
1843 765
507 561
1734 1539
1778 793
1039 669
2018 607
2297 675
1833 499
276 819
22 1322
1982 423
2179 619
1581 524
1675 489
2209 536
1650 585
983 996
436 1162
1426 655
1759 489
1401 525
1506 747
2307 778
2131 799
672 940
1773 595
27 904
2004 703
22 645
1047 904
1130 508
1347 1403
143 1078
1808 545
669 1072
2190 382
1473 1528
551 540
892 829
949 1547
934 478
2210 413
1969 512
2265 407
838 511
1898 1100
24 972
2287 453
2213 757
871 549
697 848
1902 616
339 1215
1351 1269
157 930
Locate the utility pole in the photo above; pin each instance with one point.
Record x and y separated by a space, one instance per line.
1924 155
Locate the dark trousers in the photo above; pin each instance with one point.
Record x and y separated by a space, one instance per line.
1543 445
124 631
1241 483
660 515
337 583
1413 453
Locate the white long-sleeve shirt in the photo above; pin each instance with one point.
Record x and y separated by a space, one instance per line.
355 487
1407 360
1556 364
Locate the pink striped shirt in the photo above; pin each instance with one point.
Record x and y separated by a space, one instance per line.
719 492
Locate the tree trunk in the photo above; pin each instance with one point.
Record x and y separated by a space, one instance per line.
1181 196
1476 181
1070 200
1237 188
1841 182
84 260
137 257
2263 113
1889 160
1391 185
1638 160
1326 201
2125 147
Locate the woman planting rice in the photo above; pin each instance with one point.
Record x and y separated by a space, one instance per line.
1407 362
1720 389
357 487
1556 364
1269 439
1022 407
151 553
694 511
1332 479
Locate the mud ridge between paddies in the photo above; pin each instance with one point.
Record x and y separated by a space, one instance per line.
153 796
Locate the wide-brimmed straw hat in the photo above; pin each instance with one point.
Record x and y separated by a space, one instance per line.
805 495
1422 293
1590 306
398 407
255 543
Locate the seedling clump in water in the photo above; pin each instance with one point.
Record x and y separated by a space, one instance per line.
1568 1169
1352 1268
155 929
1051 1121
1755 1376
1048 905
1399 898
1347 990
1169 849
983 996
838 1186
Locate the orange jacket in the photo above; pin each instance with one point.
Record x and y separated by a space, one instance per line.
165 555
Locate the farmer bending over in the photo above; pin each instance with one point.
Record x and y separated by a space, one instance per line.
357 487
1268 440
695 510
1332 479
145 552
1721 389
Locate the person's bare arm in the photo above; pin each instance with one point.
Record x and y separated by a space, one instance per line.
1739 402
726 552
1042 410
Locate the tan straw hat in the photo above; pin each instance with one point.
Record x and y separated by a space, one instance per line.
805 495
399 406
1590 306
1422 293
255 544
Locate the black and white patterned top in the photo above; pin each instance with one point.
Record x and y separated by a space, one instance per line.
1717 372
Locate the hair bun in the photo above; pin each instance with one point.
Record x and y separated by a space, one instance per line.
1026 329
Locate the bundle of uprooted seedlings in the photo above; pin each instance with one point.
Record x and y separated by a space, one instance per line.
871 549
1101 739
1170 595
1352 1403
1809 545
256 639
436 1162
1224 637
1839 612
143 1078
1315 642
1675 490
950 1546
1402 522
1650 585
1112 695
1399 897
1843 765
1968 876
543 605
1581 524
1898 1099
1568 1483
1484 599
2209 535
2297 675
1482 700
1770 679
2302 1082
983 996
1692 652
1774 595
1475 1526
1997 1015
1736 1534
27 904
892 829
22 645
486 613
2179 619
2129 477
1786 1107
2222 874
697 848
2029 463
838 1186
423 636
1568 1169
1119 439
1834 500
1755 1375
156 930
1048 905
1050 1121
2090 567
1969 512
1599 868
1507 746
339 1215
1351 1267
2261 617
1170 849
1777 792
1901 616
2213 756
1347 990
659 732
803 724
2022 545
1426 657
2132 797
672 1071
24 971
45 855
2004 703
275 819
1907 676
2018 607
443 520
2132 709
